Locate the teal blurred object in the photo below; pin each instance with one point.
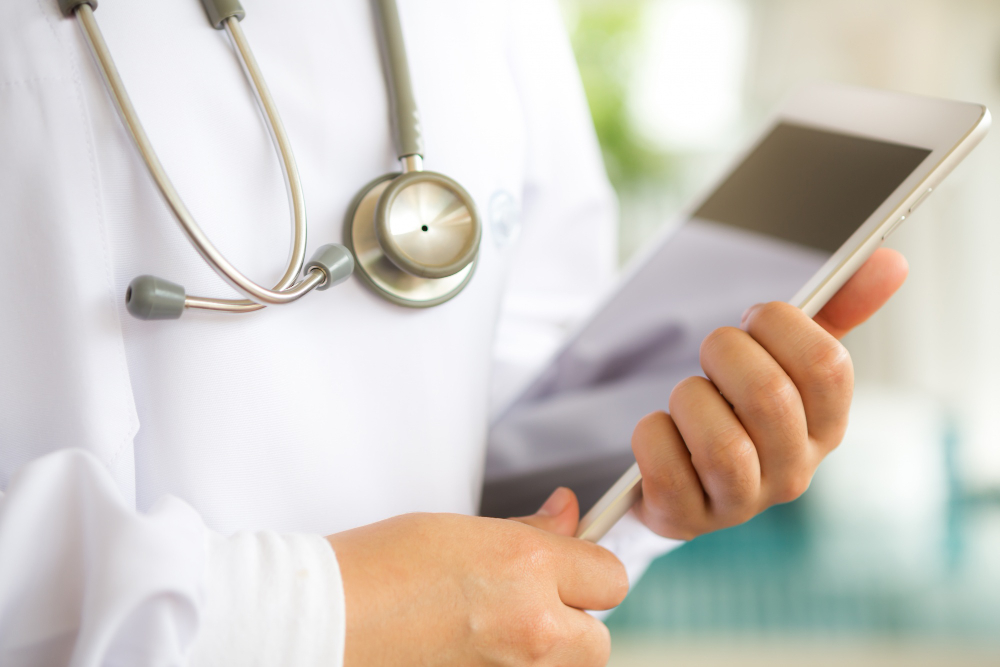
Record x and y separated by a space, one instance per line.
766 579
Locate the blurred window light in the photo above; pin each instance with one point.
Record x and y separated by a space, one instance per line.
686 92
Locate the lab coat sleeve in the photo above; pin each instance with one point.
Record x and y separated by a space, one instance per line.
567 255
85 580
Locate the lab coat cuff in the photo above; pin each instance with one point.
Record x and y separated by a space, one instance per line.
272 599
636 546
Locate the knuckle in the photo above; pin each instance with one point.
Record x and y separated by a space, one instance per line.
665 519
530 551
792 488
539 632
600 642
774 310
685 391
733 462
769 397
663 491
653 436
690 384
829 366
719 339
618 581
654 427
685 534
535 554
743 515
735 516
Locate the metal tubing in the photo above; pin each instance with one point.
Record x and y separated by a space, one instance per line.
285 291
411 163
405 117
312 280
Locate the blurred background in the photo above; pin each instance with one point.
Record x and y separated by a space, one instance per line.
893 556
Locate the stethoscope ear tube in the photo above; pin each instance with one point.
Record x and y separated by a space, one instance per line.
153 298
162 302
416 240
405 117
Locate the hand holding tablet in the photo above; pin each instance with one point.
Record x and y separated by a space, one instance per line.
836 172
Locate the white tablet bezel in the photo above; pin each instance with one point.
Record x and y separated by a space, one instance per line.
950 130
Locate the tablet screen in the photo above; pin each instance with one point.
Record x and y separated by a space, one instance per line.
809 186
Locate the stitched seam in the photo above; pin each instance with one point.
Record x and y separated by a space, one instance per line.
102 229
30 82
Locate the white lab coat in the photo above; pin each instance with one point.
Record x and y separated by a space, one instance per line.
167 483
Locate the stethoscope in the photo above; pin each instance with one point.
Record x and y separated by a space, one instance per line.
414 236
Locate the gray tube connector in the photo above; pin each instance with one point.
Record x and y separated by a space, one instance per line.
220 10
68 7
335 261
152 298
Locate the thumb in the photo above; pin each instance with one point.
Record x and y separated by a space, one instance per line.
865 292
559 514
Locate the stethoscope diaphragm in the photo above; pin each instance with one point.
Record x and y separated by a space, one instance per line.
415 237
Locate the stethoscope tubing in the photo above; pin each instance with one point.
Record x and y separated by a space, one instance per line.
406 117
426 278
286 289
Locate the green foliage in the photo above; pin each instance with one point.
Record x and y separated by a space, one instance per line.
606 39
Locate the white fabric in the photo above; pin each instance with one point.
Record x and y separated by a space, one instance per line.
85 580
636 546
334 412
273 600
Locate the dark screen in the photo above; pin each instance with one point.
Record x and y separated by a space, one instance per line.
809 186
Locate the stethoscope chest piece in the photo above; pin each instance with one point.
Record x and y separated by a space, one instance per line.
415 237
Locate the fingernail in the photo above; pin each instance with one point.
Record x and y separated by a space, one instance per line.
556 503
746 315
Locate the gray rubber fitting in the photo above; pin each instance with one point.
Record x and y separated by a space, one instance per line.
335 261
220 10
152 298
67 7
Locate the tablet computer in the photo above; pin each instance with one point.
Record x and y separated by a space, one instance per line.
835 171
